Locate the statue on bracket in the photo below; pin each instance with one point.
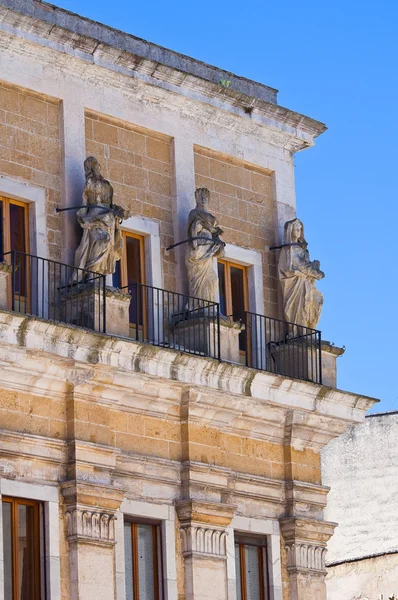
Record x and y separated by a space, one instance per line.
101 244
204 246
302 302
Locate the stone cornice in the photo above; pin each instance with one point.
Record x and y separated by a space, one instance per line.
87 35
125 55
31 447
232 398
205 513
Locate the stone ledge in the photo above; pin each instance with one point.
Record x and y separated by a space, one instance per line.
87 34
123 53
338 408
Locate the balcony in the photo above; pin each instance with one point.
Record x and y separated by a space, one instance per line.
54 291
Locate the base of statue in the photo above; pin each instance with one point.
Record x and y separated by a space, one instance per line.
83 305
201 337
296 358
330 355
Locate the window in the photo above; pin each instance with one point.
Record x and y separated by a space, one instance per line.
143 561
21 549
130 270
233 294
251 563
14 226
14 235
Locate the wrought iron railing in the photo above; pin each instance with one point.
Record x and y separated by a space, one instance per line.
55 291
174 320
284 348
59 292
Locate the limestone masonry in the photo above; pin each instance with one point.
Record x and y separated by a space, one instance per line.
161 422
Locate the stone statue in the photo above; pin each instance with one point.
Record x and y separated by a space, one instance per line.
101 244
302 302
204 245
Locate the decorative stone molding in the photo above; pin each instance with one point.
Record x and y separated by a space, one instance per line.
90 512
203 526
201 540
304 557
305 543
88 525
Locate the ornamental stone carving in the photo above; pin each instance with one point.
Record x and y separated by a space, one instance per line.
201 540
305 543
85 524
305 557
90 512
101 244
203 527
203 246
302 302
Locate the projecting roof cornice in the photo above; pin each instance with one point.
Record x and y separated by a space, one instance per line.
88 40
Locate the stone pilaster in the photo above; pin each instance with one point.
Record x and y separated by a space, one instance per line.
183 203
90 515
74 154
203 536
305 545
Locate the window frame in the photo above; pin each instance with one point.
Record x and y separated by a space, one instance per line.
47 496
38 550
6 223
123 260
157 558
228 288
268 529
164 515
261 543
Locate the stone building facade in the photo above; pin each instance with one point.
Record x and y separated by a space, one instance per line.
132 469
360 468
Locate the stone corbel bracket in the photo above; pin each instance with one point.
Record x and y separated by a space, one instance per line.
203 528
305 544
202 540
90 512
85 524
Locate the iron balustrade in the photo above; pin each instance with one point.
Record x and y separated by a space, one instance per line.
172 320
56 291
284 348
59 292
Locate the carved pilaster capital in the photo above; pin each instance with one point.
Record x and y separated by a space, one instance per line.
203 540
203 526
90 512
305 557
305 543
91 526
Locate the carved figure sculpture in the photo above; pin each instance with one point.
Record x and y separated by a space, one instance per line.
302 302
101 244
204 245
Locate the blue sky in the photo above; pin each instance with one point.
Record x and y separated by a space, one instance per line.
336 62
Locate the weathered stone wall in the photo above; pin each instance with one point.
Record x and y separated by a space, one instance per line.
138 163
109 416
25 412
87 419
31 149
350 465
370 579
242 199
360 467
